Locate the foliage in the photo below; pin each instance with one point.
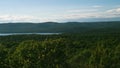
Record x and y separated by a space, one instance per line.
84 50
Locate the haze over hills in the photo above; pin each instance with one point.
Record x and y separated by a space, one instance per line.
54 27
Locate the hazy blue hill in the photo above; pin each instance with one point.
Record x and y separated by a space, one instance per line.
60 27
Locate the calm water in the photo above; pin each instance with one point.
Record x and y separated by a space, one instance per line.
6 34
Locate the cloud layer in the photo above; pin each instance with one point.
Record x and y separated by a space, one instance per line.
68 15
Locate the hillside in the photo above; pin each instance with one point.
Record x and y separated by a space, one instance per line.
52 27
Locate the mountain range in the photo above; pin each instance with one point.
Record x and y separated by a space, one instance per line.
54 27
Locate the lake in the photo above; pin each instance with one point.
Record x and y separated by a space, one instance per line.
7 34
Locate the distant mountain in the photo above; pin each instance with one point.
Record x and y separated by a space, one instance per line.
53 27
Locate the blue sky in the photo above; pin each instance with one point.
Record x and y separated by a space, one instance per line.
59 10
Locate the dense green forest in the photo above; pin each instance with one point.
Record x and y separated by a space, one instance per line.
79 50
80 45
54 27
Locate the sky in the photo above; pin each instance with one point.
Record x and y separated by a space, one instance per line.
59 10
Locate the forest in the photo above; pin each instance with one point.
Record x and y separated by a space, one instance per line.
67 50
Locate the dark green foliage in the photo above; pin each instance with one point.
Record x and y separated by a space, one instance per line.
3 56
84 50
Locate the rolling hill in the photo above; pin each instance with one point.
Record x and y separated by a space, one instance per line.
54 27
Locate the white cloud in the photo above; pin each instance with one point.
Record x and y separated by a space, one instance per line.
103 14
73 14
25 18
16 18
117 10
